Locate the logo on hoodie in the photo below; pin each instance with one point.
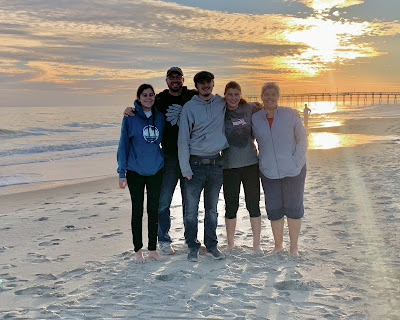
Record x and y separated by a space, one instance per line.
150 133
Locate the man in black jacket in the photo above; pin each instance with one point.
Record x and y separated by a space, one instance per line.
175 94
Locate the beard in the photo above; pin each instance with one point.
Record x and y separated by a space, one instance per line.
175 89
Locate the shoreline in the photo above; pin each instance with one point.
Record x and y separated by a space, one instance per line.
66 252
7 191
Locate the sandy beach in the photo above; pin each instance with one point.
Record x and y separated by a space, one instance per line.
66 252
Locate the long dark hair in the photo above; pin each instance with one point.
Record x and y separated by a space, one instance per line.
140 90
235 85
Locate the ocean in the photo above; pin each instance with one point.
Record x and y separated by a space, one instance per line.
45 146
48 146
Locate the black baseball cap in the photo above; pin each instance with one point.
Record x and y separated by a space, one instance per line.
174 70
203 75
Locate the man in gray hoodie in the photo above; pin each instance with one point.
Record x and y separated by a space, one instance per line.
201 139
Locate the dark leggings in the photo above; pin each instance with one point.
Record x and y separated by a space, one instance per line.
136 184
249 176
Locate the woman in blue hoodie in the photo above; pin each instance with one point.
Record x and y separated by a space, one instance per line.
140 162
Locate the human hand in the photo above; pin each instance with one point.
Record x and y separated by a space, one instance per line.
129 111
122 183
256 104
189 177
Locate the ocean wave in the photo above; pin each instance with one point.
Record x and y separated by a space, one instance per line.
23 160
16 179
36 131
91 125
61 147
7 132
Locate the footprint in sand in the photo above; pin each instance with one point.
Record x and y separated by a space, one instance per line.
178 276
296 285
69 227
8 282
336 223
38 258
88 217
76 273
342 235
100 204
69 211
3 249
46 276
42 291
42 219
62 257
112 234
54 242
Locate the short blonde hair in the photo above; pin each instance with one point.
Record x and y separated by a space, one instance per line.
270 85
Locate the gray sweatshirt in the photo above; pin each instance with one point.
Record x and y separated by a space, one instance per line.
201 130
282 148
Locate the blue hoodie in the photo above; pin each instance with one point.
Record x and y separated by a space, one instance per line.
139 146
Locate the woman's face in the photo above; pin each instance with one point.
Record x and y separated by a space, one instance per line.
147 99
232 97
270 98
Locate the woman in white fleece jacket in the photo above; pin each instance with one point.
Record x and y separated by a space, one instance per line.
282 144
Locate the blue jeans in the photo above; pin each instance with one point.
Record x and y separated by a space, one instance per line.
207 177
172 173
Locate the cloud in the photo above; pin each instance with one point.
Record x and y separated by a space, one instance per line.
76 44
326 5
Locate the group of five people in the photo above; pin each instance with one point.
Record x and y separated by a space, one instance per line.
207 143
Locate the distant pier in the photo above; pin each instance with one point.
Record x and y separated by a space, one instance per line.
350 97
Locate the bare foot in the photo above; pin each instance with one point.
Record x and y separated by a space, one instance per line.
258 251
154 255
277 249
139 259
294 251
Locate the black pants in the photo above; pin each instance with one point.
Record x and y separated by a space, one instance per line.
136 184
249 176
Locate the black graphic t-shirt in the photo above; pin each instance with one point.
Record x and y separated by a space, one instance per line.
163 101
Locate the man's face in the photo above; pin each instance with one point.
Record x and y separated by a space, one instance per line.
205 87
175 82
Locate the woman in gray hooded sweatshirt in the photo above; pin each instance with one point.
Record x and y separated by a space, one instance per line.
282 144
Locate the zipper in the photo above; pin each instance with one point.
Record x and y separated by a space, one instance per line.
273 146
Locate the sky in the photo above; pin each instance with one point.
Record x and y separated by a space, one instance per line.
97 52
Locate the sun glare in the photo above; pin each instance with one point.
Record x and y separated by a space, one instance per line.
330 124
328 140
323 140
322 107
328 42
322 5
